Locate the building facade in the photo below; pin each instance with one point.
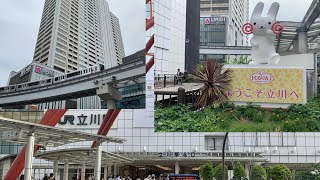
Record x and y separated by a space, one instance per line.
117 38
174 152
75 34
170 33
36 72
221 25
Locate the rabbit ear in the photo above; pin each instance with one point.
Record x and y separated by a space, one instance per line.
273 11
258 9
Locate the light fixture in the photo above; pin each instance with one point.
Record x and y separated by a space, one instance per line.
170 149
266 150
195 149
249 149
144 148
275 149
293 150
119 148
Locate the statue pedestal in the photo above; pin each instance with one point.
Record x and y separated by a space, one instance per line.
271 86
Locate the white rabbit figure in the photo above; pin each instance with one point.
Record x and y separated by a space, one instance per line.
263 49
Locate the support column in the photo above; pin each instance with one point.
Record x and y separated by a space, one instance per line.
303 40
176 168
247 168
111 104
83 172
66 170
56 170
29 157
98 162
115 170
109 170
105 173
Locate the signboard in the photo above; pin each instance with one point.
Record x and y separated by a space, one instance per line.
11 135
218 20
177 154
83 119
44 71
207 21
25 71
214 20
268 85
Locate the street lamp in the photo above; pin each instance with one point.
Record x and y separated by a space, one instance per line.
223 162
187 55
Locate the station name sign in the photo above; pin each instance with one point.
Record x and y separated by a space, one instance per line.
82 120
177 154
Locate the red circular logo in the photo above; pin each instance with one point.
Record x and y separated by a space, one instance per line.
247 28
277 28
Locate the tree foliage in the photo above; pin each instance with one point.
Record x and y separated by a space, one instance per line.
239 171
312 174
216 82
258 173
206 171
280 172
218 172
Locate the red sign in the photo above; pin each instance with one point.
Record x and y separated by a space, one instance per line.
207 20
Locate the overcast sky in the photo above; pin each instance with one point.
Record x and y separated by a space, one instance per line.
290 10
20 21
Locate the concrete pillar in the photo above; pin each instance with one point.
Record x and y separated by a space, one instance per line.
109 170
98 162
247 168
296 45
105 173
176 167
83 172
29 157
181 95
111 104
303 40
66 170
56 170
115 170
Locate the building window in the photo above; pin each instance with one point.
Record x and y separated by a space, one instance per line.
214 143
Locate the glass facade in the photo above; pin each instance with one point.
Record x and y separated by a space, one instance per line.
24 115
212 34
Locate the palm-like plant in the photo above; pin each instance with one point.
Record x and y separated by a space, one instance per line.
216 82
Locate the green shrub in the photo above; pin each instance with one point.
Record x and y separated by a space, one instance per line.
239 171
206 171
258 173
280 172
218 172
230 118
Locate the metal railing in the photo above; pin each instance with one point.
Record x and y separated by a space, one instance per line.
177 97
167 80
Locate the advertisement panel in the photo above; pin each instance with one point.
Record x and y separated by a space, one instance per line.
44 71
268 85
214 20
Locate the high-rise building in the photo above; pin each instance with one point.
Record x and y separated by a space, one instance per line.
75 34
221 24
170 34
118 44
